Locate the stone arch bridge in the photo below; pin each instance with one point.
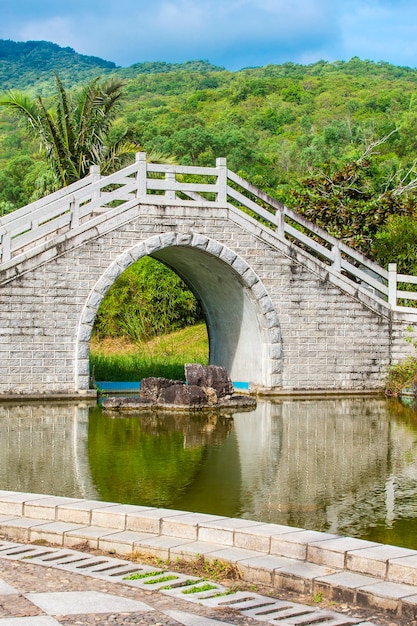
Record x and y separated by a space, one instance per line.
287 306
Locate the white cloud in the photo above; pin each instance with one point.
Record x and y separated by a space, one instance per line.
233 33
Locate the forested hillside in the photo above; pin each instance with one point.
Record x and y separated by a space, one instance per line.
336 141
29 65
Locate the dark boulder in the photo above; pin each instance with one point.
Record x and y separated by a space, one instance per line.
183 395
126 402
150 388
213 376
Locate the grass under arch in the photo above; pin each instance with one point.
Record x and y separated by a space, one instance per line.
117 359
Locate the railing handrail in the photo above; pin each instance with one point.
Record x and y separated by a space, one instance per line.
83 200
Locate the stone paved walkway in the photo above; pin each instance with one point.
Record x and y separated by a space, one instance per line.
46 586
285 569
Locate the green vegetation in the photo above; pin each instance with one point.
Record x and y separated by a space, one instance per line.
75 134
197 588
147 300
29 65
141 575
335 141
121 360
403 375
145 470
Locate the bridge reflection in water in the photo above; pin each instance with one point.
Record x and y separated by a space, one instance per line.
345 465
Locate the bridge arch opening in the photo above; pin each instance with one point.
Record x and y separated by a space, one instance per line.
242 325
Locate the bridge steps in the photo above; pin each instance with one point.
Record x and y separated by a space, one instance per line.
31 229
341 569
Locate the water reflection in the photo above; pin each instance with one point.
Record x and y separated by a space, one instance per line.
343 465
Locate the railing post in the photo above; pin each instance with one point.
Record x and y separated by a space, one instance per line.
5 248
141 186
221 165
75 212
392 284
95 177
337 258
171 179
280 227
95 173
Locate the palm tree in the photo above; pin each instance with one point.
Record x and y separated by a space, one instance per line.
74 133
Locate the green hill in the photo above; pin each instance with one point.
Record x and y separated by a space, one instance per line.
28 65
337 141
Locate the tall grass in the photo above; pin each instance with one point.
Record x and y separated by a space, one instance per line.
120 360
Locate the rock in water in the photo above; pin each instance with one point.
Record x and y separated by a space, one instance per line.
183 395
214 376
207 387
150 388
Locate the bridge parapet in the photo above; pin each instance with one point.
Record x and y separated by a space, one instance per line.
163 184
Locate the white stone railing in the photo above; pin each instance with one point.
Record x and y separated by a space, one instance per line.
152 183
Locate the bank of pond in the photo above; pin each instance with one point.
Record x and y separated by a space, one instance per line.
345 465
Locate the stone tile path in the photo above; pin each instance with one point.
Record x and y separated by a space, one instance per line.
46 586
285 562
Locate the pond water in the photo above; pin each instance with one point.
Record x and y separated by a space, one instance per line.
343 465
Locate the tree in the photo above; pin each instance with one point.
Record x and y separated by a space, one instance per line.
355 200
74 133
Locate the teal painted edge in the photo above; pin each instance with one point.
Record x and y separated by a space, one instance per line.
135 386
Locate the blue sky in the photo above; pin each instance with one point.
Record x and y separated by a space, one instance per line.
230 33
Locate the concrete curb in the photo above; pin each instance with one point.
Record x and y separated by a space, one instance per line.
345 569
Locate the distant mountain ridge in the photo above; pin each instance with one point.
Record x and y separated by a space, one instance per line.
29 64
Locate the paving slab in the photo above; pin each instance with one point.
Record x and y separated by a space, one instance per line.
294 545
6 589
187 525
261 569
149 520
194 620
403 570
375 560
161 547
342 586
299 576
80 512
115 516
122 542
85 602
333 552
88 535
224 531
12 503
46 507
53 532
36 620
259 537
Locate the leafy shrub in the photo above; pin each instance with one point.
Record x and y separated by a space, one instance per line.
397 240
401 376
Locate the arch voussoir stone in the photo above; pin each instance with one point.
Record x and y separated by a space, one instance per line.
251 299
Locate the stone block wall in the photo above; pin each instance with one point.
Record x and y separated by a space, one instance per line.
305 327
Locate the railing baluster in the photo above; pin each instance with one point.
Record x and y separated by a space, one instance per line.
221 166
141 185
74 212
337 260
5 248
280 227
95 177
170 193
392 284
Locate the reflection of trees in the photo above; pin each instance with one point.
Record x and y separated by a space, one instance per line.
150 458
346 465
43 449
